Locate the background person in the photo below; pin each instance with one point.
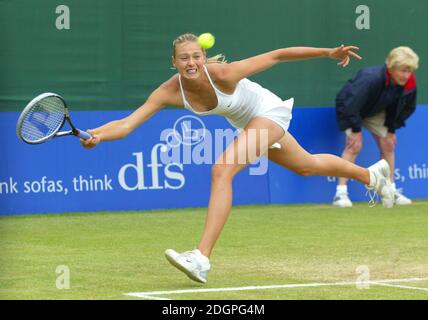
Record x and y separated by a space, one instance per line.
379 98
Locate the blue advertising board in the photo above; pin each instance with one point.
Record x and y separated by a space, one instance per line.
316 130
166 164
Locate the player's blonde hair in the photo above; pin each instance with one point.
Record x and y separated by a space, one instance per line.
402 57
218 58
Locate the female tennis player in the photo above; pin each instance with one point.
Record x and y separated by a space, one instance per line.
223 89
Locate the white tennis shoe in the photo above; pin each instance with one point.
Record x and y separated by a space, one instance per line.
341 200
380 182
401 199
193 263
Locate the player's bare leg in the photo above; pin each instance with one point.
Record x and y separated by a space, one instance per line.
294 157
246 148
254 141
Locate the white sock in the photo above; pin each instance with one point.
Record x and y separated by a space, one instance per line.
198 252
372 180
342 188
393 186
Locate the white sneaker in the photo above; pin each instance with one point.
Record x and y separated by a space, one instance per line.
380 182
193 263
400 198
341 200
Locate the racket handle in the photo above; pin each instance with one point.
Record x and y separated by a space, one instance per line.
83 134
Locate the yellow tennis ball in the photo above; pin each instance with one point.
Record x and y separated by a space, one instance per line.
206 40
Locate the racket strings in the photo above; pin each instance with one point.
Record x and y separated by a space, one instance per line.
43 119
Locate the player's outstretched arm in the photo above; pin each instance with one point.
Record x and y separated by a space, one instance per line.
120 129
248 67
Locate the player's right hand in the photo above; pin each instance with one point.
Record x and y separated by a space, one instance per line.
90 143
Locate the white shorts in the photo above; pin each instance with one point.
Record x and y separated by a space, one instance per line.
280 115
375 124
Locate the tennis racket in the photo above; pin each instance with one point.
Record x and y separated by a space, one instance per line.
43 118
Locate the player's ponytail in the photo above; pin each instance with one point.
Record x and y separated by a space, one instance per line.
218 58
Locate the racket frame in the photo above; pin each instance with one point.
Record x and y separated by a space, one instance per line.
55 133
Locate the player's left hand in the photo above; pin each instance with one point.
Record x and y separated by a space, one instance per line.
344 54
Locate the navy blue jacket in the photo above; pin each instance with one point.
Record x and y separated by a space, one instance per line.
371 92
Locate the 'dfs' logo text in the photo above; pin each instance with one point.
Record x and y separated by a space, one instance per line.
152 175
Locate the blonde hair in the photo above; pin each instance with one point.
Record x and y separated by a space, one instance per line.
218 58
402 56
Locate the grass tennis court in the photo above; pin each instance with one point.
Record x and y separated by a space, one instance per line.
294 251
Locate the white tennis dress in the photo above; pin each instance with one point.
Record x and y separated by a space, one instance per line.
249 100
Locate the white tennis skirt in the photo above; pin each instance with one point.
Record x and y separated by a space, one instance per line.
280 114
